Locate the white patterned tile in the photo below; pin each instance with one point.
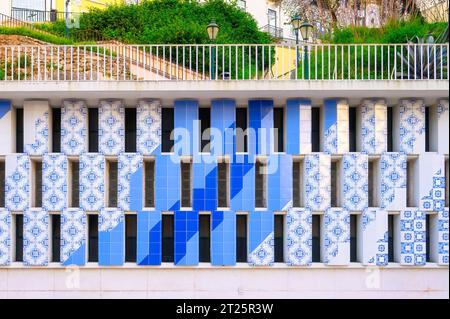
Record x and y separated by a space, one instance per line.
17 186
317 170
92 181
111 132
73 236
373 126
355 182
336 239
393 181
373 227
412 237
128 164
5 237
54 182
35 237
298 244
148 127
36 127
74 125
411 119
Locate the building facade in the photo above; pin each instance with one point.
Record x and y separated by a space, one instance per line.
117 187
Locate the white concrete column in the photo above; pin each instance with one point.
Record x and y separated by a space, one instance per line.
37 127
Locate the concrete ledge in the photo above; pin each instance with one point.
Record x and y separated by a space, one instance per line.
224 283
204 91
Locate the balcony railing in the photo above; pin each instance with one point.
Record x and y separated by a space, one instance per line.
30 15
315 62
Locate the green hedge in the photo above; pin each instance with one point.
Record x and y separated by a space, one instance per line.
392 32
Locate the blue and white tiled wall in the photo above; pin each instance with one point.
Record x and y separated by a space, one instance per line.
409 140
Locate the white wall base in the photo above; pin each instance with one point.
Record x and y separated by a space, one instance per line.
236 282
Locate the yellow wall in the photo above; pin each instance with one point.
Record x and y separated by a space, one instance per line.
84 5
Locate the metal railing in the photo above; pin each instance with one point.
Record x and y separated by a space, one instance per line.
324 62
30 15
9 22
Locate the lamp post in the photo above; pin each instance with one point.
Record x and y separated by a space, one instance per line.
296 22
306 30
213 30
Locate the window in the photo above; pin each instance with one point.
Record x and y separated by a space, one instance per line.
241 238
297 181
204 115
241 128
93 129
112 183
316 238
390 128
149 183
410 176
352 128
56 237
335 181
2 184
353 238
260 183
427 129
432 237
391 238
279 238
272 17
222 183
18 237
19 130
167 239
205 240
446 181
278 125
93 238
186 184
130 129
74 183
36 177
56 130
167 118
315 129
130 237
373 182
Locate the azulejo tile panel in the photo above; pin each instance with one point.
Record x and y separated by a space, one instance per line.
373 227
432 182
261 238
298 126
5 237
298 245
148 127
17 186
336 240
223 238
440 118
412 237
36 127
54 182
111 133
335 126
130 183
92 181
443 238
393 181
317 170
149 238
372 126
186 238
355 181
411 126
73 237
74 125
111 237
35 237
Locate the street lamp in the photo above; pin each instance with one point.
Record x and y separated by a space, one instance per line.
67 17
306 30
213 30
296 22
